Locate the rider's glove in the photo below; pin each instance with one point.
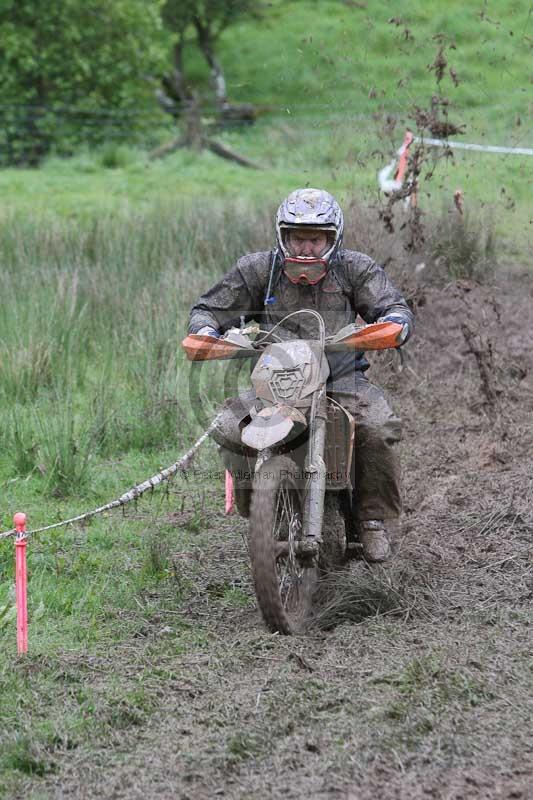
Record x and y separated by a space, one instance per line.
207 330
406 329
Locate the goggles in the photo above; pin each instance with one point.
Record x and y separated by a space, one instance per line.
305 270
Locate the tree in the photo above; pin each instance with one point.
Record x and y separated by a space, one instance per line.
75 71
208 19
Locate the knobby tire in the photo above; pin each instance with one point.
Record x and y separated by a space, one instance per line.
284 586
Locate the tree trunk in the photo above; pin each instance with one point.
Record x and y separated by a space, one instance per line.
225 152
206 43
167 148
180 89
175 94
194 133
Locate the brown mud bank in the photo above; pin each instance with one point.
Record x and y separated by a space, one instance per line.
422 685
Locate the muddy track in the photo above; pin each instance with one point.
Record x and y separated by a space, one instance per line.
421 686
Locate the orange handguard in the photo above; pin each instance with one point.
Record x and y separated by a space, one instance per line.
206 348
379 336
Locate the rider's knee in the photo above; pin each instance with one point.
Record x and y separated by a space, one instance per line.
379 430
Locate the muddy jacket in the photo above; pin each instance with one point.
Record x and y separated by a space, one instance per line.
354 285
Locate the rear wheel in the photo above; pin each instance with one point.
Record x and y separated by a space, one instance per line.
332 561
285 574
333 548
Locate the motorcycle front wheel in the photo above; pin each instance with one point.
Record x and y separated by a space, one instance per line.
285 578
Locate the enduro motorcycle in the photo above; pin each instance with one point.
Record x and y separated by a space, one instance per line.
302 478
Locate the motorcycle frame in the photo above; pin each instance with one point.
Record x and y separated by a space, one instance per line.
377 336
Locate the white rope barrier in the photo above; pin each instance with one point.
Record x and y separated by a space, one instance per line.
132 494
482 148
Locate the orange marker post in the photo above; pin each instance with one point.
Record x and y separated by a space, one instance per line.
21 582
230 505
404 156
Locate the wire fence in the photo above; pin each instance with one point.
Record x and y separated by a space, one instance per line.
27 129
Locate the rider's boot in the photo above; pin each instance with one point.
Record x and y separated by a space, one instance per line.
374 540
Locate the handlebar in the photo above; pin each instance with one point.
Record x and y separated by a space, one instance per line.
377 336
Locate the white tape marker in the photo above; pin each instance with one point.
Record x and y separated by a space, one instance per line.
482 148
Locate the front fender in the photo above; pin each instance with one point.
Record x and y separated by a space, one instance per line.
270 426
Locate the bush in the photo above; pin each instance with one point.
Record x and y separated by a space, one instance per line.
115 156
76 72
462 247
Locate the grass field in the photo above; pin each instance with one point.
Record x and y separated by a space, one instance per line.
149 672
336 97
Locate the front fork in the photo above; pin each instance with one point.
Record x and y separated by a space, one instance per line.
315 472
315 478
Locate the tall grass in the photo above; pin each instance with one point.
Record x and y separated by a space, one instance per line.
90 326
93 315
463 246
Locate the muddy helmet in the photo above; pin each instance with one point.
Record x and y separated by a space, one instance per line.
312 208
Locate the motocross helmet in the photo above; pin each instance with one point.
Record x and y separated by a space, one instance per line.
315 209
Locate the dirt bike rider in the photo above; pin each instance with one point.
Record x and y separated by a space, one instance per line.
310 269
